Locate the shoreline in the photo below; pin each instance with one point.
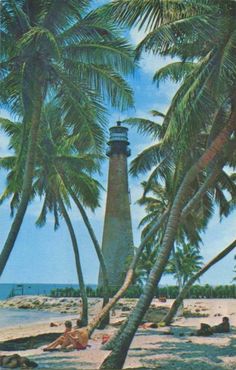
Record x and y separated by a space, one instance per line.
164 348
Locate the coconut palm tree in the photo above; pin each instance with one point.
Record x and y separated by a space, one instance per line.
157 198
61 50
118 355
57 158
185 256
53 202
197 102
188 260
157 224
53 149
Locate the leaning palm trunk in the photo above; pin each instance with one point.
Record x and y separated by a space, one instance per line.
157 225
179 280
98 250
96 246
187 209
118 355
84 315
33 123
129 276
179 300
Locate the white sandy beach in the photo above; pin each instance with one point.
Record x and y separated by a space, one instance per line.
163 348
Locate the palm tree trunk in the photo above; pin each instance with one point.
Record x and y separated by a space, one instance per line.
129 275
210 180
117 357
179 280
34 124
178 301
106 318
177 267
98 250
84 316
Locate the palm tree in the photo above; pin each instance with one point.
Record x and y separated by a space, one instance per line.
202 94
118 355
58 205
155 227
185 256
61 171
188 261
54 149
62 51
156 201
156 224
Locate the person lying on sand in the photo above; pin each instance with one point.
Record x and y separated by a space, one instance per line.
73 339
206 330
223 327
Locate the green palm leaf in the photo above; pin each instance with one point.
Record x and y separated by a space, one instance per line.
145 126
175 71
147 159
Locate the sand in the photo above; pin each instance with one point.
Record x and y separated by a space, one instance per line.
162 348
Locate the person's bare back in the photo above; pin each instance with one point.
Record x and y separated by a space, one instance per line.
79 338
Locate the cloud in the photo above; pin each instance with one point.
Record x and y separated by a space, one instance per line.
5 114
136 36
149 62
4 141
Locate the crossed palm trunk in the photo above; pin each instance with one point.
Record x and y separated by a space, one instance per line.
118 355
156 227
210 180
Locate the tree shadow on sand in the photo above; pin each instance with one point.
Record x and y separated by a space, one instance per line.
184 354
55 362
179 354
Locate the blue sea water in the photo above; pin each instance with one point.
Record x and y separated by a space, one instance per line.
14 317
6 290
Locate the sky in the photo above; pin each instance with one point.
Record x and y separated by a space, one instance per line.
45 256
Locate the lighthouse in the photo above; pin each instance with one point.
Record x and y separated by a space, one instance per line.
117 242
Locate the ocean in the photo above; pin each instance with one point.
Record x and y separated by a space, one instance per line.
12 317
7 290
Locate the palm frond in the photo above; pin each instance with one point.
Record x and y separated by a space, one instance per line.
148 14
41 220
156 113
145 126
116 53
176 72
44 36
147 159
109 84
